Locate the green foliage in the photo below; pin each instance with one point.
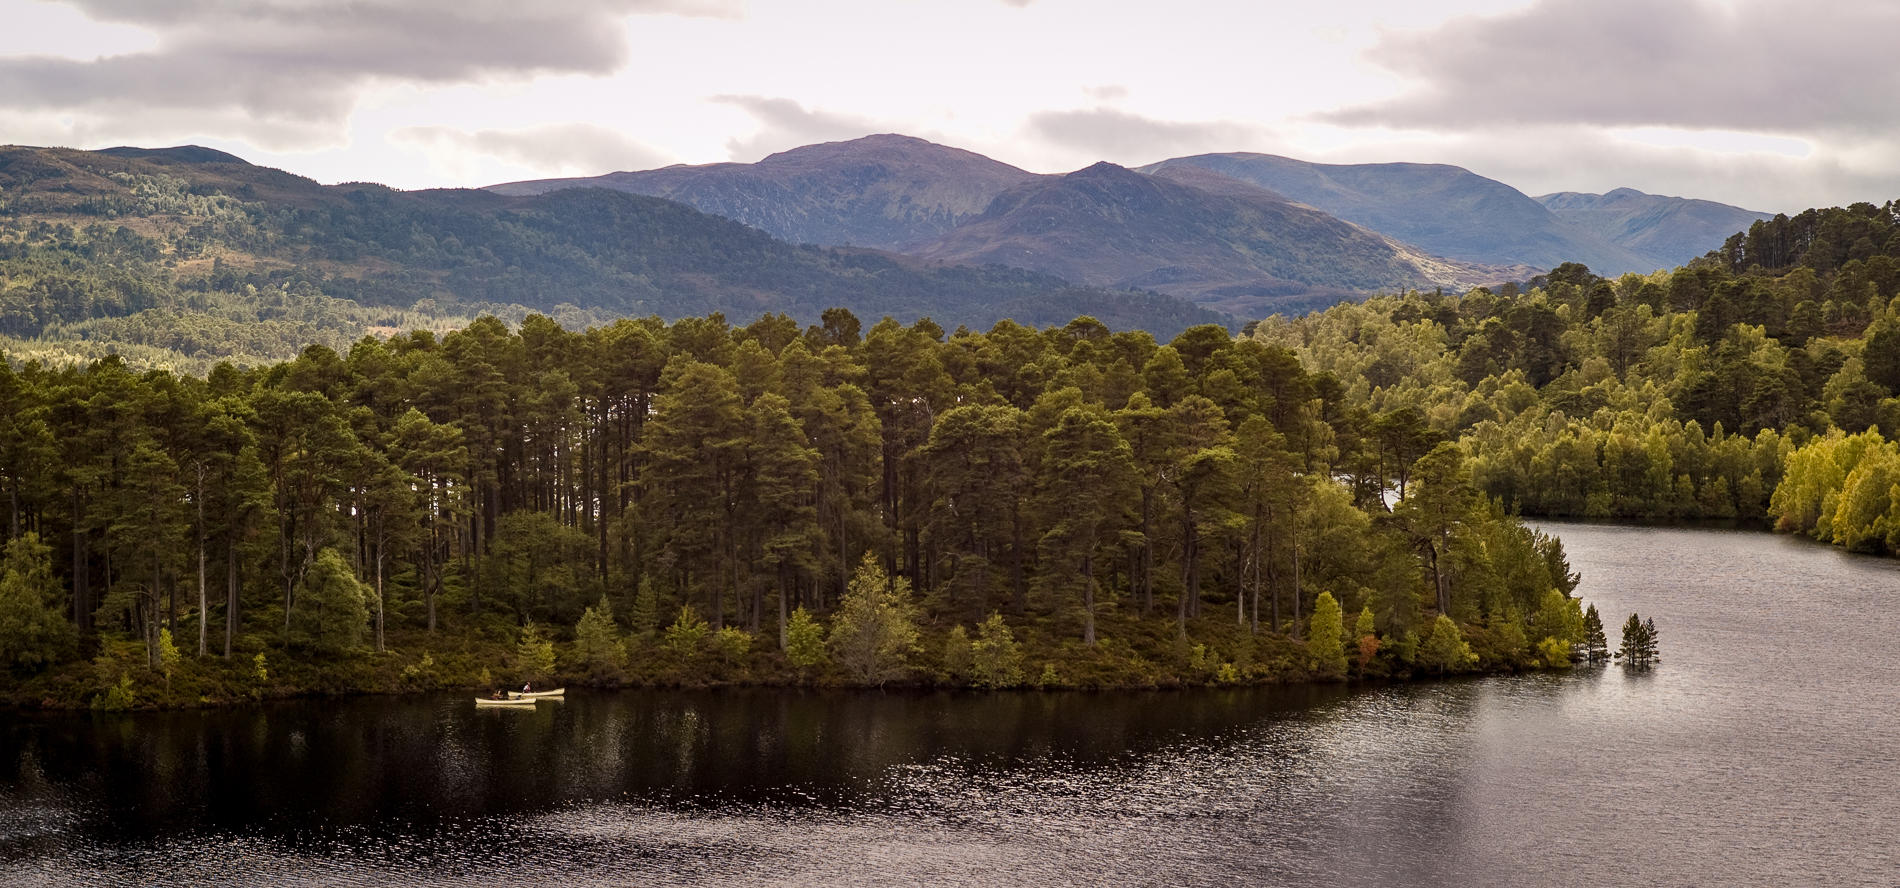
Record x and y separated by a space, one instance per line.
1048 679
874 633
598 639
1553 653
996 657
644 617
1843 489
33 632
729 647
958 658
260 671
117 698
1559 617
1325 640
167 654
332 609
1639 647
685 640
1445 650
805 643
1596 647
534 654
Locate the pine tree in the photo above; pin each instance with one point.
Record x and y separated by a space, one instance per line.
875 631
805 643
1085 480
33 632
1638 646
997 659
534 656
1445 649
599 639
1596 647
957 657
644 617
1324 641
332 609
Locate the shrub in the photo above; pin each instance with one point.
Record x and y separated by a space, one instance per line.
1445 650
996 658
958 658
730 646
1324 637
534 656
805 643
598 639
875 631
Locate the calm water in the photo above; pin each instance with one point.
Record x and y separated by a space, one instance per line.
1762 752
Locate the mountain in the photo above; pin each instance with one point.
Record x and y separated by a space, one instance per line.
1668 231
197 254
884 191
1443 210
1218 242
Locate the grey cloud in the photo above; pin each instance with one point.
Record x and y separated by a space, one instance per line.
566 149
285 62
1108 92
1765 65
785 124
1107 133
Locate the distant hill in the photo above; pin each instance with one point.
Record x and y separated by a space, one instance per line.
1444 210
1668 231
1238 248
193 252
883 191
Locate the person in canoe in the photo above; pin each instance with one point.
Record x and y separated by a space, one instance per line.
527 687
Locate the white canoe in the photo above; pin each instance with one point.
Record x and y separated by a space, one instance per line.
485 701
536 695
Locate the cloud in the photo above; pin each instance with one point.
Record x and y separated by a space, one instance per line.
1760 65
1108 133
1108 92
298 66
785 124
569 149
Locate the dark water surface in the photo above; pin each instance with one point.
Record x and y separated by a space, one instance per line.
1762 752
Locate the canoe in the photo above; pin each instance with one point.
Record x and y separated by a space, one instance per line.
485 701
536 695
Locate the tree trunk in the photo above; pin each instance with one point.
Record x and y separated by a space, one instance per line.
782 616
1088 600
82 589
230 596
381 604
1147 552
1021 602
204 601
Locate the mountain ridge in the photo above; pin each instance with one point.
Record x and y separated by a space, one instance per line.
884 191
1243 252
1661 226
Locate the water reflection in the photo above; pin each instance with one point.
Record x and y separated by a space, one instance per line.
1760 753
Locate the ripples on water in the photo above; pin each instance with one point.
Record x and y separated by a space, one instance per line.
1761 752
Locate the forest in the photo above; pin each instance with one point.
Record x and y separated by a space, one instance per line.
1756 384
691 502
701 502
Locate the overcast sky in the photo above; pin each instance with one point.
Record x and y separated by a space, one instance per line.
1771 104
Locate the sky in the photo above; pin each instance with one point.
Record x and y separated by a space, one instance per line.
1774 105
